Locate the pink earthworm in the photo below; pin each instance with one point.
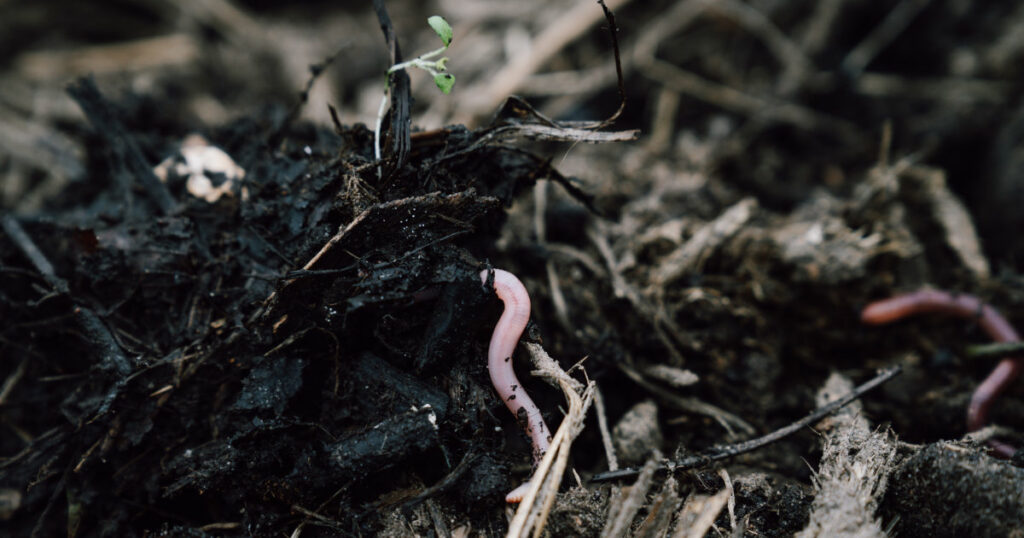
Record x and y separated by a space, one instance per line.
968 307
499 363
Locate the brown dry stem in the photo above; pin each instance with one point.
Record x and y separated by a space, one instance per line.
531 516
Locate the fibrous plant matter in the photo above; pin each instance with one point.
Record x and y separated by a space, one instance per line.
853 474
723 452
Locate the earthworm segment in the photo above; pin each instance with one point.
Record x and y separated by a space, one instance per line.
967 307
499 363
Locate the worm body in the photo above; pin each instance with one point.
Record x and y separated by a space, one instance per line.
968 307
499 363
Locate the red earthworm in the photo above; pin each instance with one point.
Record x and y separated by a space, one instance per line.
963 306
499 363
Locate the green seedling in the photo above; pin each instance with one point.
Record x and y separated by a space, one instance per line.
437 69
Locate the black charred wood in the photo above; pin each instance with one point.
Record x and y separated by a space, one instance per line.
129 164
385 445
376 377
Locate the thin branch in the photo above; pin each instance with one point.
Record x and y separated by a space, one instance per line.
728 451
885 33
614 31
995 349
602 425
129 165
554 37
690 405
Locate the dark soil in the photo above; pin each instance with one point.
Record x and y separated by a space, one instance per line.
304 350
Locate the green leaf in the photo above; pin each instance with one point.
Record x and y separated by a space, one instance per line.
444 82
442 28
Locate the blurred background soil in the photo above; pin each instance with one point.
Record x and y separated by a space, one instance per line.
795 160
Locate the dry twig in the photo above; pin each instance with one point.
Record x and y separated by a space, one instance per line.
699 513
690 405
692 255
728 451
533 511
621 513
552 39
659 512
885 33
606 437
655 316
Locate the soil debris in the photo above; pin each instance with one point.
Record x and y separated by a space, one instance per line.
947 490
224 315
